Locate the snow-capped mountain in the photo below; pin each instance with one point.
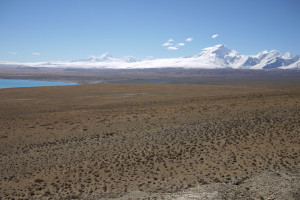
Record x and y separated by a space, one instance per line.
218 56
103 58
107 58
222 56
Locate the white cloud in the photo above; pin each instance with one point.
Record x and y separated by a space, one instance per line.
36 54
189 39
172 48
13 53
166 44
214 36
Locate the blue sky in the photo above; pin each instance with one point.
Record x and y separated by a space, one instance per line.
35 30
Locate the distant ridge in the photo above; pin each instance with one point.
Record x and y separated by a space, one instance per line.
215 57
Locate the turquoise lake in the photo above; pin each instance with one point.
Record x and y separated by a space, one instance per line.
13 83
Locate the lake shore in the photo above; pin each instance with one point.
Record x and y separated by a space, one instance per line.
152 76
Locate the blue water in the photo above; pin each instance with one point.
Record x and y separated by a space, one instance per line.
13 83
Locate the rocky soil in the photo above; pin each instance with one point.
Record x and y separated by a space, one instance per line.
150 142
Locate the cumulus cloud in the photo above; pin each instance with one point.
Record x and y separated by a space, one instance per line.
171 45
36 54
168 43
214 36
13 53
189 39
172 48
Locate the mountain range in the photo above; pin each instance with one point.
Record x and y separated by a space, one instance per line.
218 56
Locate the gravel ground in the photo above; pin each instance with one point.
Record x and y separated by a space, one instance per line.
150 142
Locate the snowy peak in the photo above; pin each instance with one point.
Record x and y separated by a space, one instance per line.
287 56
106 57
219 50
129 59
103 57
219 55
271 59
266 55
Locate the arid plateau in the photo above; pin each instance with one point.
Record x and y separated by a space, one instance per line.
152 141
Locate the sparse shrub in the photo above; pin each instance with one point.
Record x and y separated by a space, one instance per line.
38 180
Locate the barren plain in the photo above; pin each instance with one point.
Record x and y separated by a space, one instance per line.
102 141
